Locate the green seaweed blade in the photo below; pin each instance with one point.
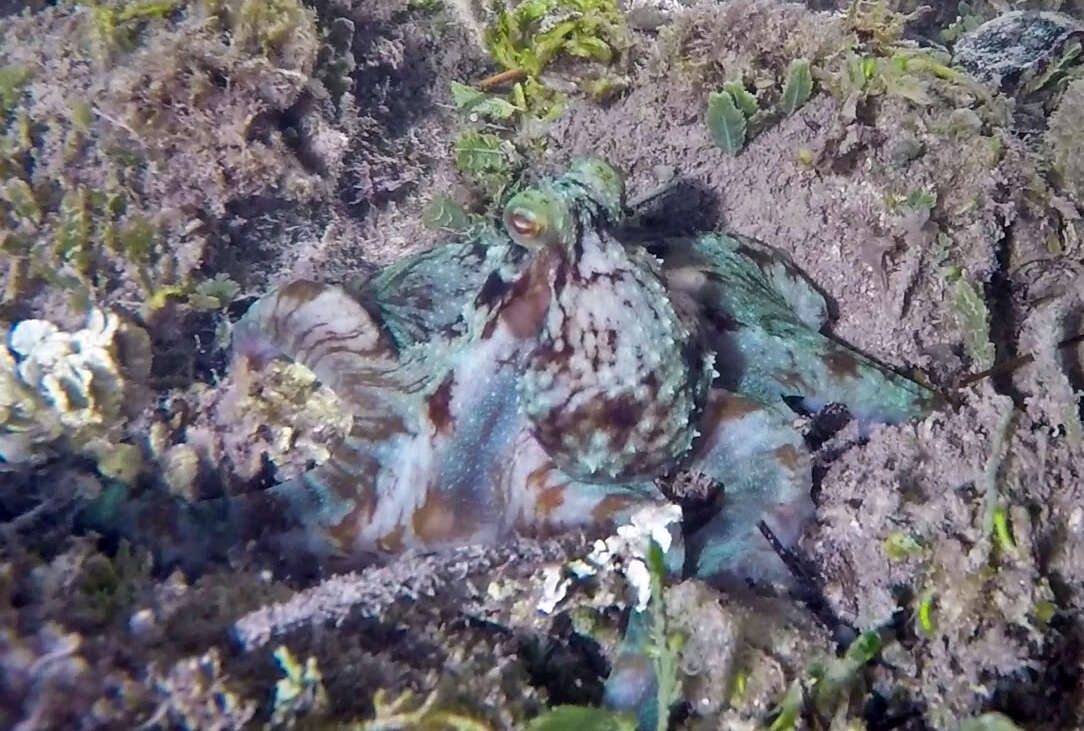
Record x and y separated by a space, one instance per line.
726 122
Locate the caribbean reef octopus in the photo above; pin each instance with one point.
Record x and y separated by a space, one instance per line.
545 373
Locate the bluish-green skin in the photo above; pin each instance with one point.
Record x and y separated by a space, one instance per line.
545 373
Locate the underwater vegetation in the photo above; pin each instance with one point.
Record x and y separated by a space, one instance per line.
95 199
537 35
549 51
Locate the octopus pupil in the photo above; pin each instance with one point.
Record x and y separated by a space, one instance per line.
523 225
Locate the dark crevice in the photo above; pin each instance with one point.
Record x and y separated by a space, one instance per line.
1039 694
882 713
1050 692
567 664
1071 359
292 126
1003 324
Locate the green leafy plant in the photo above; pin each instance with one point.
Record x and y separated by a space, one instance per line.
653 638
271 28
442 213
470 100
826 683
12 81
486 160
743 100
916 199
876 23
899 546
734 112
665 647
968 18
117 27
214 294
23 204
973 319
1003 530
924 615
592 29
403 712
914 74
1058 72
726 122
72 243
300 693
798 87
527 38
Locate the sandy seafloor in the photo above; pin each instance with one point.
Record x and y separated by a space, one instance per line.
306 143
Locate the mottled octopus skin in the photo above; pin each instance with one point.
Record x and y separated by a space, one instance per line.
545 380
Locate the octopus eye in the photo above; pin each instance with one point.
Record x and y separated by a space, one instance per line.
524 224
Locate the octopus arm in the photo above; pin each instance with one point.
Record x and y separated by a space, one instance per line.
753 451
763 317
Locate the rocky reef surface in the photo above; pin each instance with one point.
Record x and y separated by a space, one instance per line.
164 163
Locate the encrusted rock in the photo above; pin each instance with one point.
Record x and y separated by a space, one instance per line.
1015 45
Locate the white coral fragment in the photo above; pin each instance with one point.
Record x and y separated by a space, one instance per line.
554 588
626 551
75 386
650 523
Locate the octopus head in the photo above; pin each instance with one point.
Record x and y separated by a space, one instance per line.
550 215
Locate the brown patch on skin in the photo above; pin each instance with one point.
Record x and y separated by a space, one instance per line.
529 299
793 382
392 542
789 456
435 521
422 301
368 427
350 472
439 406
841 365
302 290
618 417
621 414
347 476
610 506
725 408
345 532
549 500
536 479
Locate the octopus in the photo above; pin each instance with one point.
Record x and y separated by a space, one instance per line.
549 372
